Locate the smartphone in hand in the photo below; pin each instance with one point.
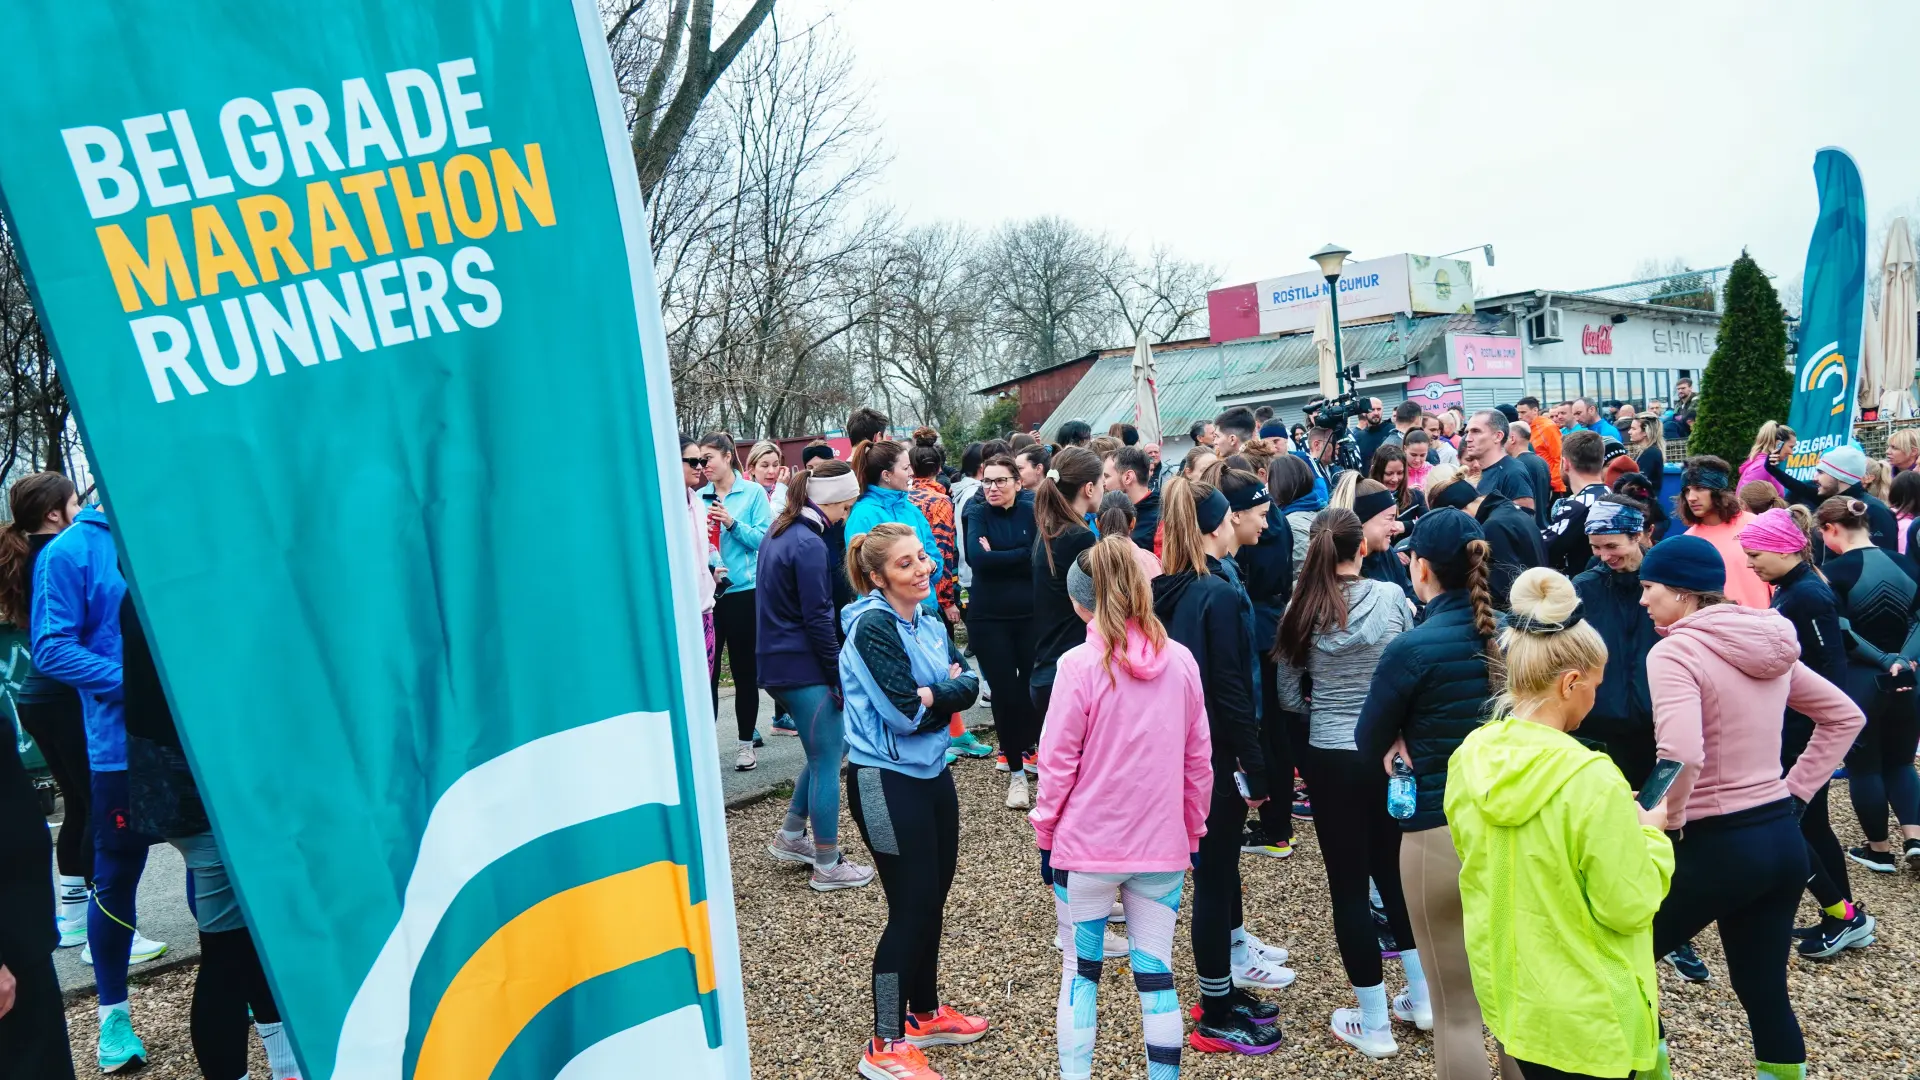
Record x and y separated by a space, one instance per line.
1665 772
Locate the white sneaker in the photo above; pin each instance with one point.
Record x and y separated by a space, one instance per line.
1258 975
1017 796
798 850
1113 945
1373 1042
73 931
745 761
841 875
1119 912
1274 955
143 950
1405 1011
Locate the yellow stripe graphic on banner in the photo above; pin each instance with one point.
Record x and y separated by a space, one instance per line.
552 947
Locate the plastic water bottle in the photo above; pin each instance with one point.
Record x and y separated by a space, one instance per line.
1400 790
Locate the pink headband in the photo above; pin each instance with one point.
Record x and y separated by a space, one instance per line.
1774 531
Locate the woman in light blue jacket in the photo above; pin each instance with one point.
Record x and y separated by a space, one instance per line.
885 476
738 515
903 680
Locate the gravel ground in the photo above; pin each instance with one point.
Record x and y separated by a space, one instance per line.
808 954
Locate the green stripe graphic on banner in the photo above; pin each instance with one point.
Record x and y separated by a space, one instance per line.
354 306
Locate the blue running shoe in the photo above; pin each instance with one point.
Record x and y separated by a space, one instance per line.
120 1049
969 745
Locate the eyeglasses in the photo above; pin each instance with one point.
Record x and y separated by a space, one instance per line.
999 481
694 462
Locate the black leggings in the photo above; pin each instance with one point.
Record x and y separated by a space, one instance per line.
1744 871
57 728
1358 840
736 629
1276 745
33 1036
230 981
1004 648
1826 862
912 828
1216 882
1547 1072
1880 765
1041 697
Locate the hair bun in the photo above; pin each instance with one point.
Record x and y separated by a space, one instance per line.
1544 596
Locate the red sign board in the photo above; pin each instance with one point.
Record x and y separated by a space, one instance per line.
1597 340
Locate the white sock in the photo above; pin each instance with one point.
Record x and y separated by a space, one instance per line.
746 744
279 1050
73 894
1242 956
1416 975
1373 1005
120 1008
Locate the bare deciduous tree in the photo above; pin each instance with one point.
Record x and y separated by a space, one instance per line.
1163 297
677 46
1045 283
33 402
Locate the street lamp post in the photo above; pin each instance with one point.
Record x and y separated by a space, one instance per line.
1330 260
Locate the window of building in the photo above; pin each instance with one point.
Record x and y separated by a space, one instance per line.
1660 384
1600 382
1553 386
1633 384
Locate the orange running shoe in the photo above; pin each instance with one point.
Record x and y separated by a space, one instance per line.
903 1062
946 1027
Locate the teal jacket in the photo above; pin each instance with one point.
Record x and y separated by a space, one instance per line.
740 545
880 505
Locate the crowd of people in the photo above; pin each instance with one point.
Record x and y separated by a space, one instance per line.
1491 656
94 705
1488 656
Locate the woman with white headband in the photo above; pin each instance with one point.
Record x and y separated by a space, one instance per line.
798 656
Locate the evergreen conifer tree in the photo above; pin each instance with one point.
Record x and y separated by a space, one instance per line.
1747 381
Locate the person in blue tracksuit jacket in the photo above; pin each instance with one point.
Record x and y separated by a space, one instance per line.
902 679
885 475
77 589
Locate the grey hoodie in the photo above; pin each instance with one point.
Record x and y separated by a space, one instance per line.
1343 661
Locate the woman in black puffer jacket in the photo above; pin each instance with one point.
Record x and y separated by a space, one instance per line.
1430 693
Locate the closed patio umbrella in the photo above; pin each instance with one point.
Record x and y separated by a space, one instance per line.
1146 396
1323 352
1890 338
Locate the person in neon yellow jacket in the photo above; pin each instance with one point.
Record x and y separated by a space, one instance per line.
1561 872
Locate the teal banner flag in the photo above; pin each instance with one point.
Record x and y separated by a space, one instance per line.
1833 296
355 307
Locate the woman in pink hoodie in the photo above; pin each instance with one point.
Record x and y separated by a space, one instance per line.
1721 678
1125 744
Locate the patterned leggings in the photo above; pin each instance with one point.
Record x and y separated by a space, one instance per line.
1082 903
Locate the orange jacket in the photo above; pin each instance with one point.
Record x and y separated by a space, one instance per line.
1546 443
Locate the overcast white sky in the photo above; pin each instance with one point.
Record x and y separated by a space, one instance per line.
1577 139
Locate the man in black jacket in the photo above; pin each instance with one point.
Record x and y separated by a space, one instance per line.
1128 470
1520 449
1622 718
1583 459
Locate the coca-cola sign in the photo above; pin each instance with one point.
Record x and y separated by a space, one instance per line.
1597 340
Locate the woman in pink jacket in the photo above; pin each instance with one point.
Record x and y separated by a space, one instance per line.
1721 678
1125 744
